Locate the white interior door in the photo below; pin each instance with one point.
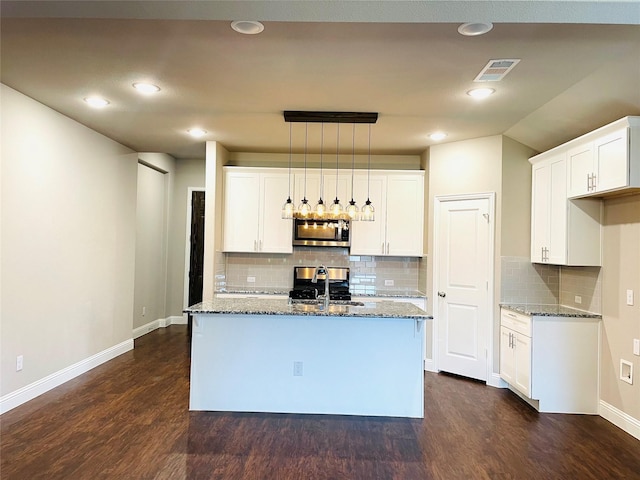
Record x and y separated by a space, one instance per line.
462 281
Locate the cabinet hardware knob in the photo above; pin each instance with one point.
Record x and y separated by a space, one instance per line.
442 294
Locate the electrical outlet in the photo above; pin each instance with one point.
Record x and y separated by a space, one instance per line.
19 362
630 297
388 283
578 299
297 369
251 279
636 346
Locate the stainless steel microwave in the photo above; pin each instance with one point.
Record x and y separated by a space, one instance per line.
321 233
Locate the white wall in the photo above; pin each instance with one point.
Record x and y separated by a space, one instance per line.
621 322
151 247
68 241
489 164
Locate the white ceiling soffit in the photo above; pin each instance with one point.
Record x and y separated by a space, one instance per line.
429 11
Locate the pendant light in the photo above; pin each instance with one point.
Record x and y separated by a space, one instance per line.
368 212
304 209
336 208
288 209
352 209
321 208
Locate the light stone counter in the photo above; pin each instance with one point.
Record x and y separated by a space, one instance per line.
267 306
543 310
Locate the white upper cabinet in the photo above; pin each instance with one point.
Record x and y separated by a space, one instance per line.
605 161
405 214
563 231
398 199
253 201
369 238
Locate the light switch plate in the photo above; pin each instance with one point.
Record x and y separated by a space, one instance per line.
629 297
636 346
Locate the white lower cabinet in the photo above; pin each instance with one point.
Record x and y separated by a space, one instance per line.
551 360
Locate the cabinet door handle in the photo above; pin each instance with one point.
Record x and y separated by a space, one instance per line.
259 245
383 248
594 180
387 249
442 294
255 245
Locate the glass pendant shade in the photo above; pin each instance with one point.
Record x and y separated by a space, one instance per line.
352 210
304 209
288 209
368 212
336 208
321 208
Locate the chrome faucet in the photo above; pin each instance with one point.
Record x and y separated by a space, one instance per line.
320 270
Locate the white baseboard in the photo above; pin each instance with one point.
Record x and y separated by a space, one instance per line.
159 323
494 380
430 365
31 391
178 320
620 419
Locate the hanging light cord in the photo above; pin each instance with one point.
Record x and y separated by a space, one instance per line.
289 161
321 153
337 155
369 163
306 127
353 156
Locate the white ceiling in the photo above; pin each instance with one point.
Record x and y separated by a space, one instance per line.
579 69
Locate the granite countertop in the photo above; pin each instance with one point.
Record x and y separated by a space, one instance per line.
266 306
541 310
280 291
391 294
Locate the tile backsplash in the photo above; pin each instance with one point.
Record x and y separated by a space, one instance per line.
533 283
584 282
369 274
526 282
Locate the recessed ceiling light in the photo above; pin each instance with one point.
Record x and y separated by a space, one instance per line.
96 102
481 92
146 88
474 28
197 132
247 27
437 136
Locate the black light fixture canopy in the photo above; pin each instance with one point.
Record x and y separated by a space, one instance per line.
330 117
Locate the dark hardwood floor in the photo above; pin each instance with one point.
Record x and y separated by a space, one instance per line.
129 419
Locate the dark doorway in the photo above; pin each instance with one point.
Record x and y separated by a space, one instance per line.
196 262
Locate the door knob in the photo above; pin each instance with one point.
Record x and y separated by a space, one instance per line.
442 294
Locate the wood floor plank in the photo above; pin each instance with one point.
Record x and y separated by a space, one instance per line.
129 419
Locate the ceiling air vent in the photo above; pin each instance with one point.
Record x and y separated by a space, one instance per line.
495 70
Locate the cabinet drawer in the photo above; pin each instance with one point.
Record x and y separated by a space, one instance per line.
516 321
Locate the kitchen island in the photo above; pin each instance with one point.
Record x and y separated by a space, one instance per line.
265 355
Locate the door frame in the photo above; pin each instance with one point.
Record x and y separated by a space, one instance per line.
438 200
187 247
